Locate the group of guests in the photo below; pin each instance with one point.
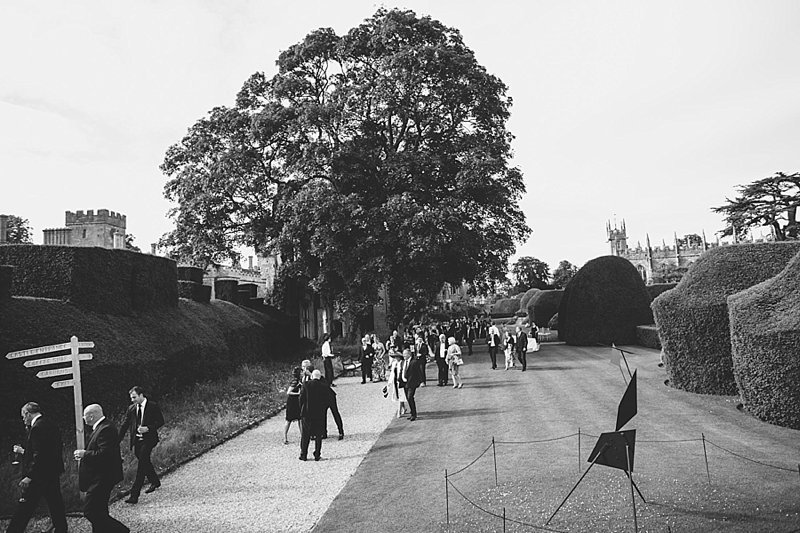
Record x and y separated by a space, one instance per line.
100 467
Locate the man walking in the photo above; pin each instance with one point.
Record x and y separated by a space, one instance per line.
521 347
99 470
42 467
493 340
413 375
327 358
314 404
142 419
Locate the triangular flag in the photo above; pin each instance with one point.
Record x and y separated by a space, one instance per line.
611 447
628 405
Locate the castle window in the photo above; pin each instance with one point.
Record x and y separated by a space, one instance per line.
84 233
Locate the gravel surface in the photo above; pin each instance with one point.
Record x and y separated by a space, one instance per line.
255 483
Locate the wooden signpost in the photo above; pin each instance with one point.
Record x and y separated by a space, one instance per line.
74 371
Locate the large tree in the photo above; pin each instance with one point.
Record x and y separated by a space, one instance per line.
376 158
530 273
770 202
18 230
563 274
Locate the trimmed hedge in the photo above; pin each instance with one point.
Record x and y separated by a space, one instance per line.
647 336
656 289
692 318
117 282
6 274
226 289
526 298
505 307
604 303
162 350
543 306
190 273
194 291
553 323
765 342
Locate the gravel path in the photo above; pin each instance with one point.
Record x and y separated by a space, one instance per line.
255 483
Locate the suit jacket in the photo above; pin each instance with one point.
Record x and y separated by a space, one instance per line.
521 346
153 419
414 375
102 463
315 399
42 460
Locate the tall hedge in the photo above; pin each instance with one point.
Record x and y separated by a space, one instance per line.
6 274
603 303
505 307
118 282
692 318
765 342
542 306
656 289
526 298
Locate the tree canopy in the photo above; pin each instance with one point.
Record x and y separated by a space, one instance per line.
563 274
18 230
770 202
376 158
530 273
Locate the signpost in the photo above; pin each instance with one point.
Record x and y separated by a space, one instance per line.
74 371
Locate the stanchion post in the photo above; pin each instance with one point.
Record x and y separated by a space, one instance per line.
446 498
630 478
504 520
494 453
705 455
579 449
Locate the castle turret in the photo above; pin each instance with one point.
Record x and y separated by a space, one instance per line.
105 229
618 238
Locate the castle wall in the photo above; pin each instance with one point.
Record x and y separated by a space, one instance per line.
105 229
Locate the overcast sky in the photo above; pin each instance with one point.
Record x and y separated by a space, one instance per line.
646 111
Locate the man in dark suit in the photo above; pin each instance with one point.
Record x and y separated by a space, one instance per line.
99 470
142 419
315 399
42 467
413 375
521 347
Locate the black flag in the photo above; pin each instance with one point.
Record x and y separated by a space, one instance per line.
628 405
610 449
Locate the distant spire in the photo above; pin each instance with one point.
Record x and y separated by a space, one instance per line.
705 244
648 241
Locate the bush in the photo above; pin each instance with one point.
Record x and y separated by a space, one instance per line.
553 324
6 274
657 289
543 306
505 307
765 342
118 282
526 298
692 318
647 336
604 303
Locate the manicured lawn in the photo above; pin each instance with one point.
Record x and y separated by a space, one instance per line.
400 486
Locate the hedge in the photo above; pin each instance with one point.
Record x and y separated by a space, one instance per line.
604 303
505 307
692 318
6 273
192 290
647 336
553 324
162 350
656 289
765 342
226 289
526 298
543 306
190 273
118 282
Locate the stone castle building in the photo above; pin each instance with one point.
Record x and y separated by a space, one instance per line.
649 259
105 229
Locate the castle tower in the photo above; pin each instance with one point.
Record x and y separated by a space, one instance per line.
618 238
105 229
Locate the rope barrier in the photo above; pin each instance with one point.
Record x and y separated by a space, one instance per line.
541 528
472 463
535 441
751 460
677 440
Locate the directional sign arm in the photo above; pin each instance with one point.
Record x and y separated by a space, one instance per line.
56 360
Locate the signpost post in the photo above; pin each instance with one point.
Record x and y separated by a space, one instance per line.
74 357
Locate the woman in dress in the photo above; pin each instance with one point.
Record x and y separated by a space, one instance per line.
396 385
454 361
509 350
379 364
293 404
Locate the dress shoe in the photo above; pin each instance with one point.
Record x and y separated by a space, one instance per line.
317 457
151 488
341 436
132 499
412 418
303 458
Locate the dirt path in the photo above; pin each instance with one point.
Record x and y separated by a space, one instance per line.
400 485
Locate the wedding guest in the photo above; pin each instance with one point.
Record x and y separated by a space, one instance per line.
396 386
293 404
454 361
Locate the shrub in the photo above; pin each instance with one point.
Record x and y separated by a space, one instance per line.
553 324
107 281
657 289
6 273
765 342
604 303
505 307
526 298
647 336
543 306
190 273
692 318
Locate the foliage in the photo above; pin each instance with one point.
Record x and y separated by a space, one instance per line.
647 336
692 318
691 240
526 298
18 230
563 274
655 289
543 306
129 244
770 202
529 273
376 158
604 303
668 273
765 342
505 307
553 323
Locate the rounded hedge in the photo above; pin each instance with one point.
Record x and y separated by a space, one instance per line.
505 307
526 298
692 318
765 343
553 324
656 289
604 303
543 306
